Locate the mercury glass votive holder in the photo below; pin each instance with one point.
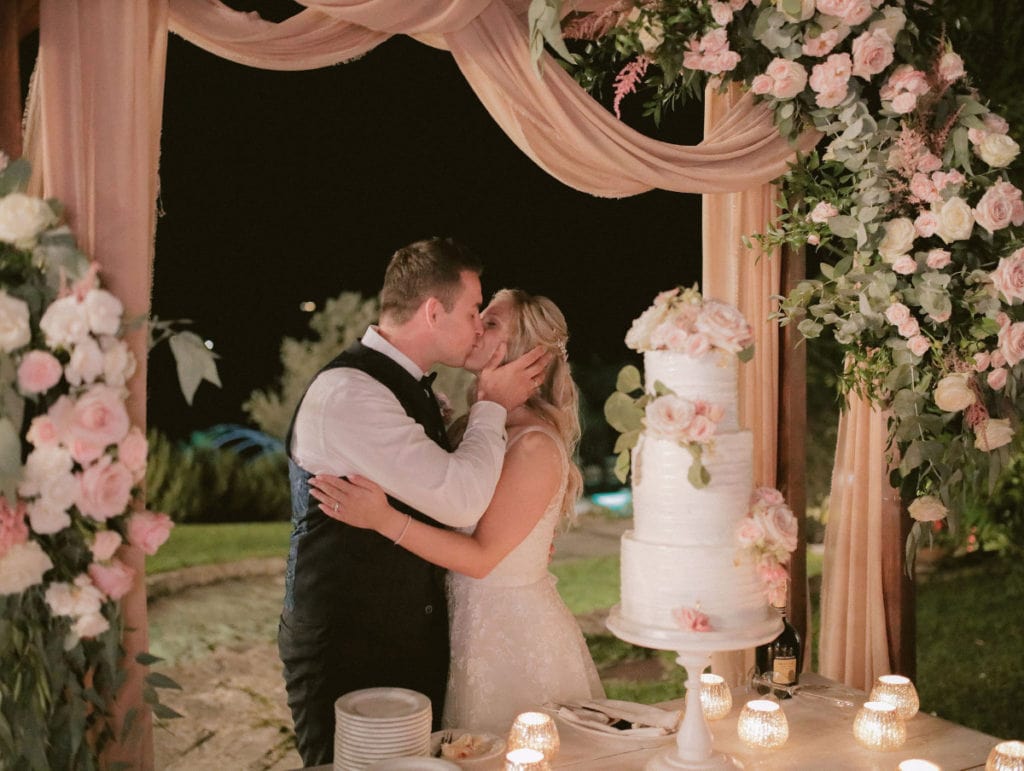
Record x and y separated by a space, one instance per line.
526 759
535 731
715 696
898 691
1006 756
763 724
878 727
916 764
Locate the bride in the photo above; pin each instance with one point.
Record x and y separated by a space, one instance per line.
514 643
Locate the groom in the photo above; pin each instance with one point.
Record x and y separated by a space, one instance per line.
359 611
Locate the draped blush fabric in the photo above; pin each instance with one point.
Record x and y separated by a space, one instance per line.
854 638
93 141
551 119
746 278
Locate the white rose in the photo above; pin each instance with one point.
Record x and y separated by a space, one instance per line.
669 417
954 393
992 433
23 566
639 335
86 362
898 239
22 218
14 326
65 323
927 508
78 599
956 219
998 150
104 312
44 464
118 362
45 518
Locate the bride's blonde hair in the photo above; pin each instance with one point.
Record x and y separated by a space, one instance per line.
535 320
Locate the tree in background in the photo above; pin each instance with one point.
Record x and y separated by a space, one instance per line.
342 321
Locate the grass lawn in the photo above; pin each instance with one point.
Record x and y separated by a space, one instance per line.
191 545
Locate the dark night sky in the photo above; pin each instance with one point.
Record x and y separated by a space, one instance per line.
280 187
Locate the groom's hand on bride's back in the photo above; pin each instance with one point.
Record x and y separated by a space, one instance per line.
510 385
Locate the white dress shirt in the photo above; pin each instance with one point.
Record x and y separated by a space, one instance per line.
351 423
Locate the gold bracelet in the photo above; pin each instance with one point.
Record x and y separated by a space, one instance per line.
401 535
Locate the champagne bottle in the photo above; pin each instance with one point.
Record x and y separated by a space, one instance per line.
781 659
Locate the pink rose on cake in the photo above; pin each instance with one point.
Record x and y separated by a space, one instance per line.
681 420
767 536
691 619
724 326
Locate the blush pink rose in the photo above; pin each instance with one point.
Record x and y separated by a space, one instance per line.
721 13
749 532
725 326
788 78
105 544
998 360
928 163
148 531
937 259
814 239
822 212
905 265
918 345
697 345
39 371
996 379
926 224
105 489
99 417
41 431
1011 342
944 179
691 620
982 360
84 452
951 67
133 449
909 328
761 84
897 313
872 53
114 580
1008 277
780 526
823 44
669 417
852 12
829 80
765 496
921 185
903 87
713 412
1000 207
771 571
702 429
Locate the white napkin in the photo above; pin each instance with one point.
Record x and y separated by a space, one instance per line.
601 714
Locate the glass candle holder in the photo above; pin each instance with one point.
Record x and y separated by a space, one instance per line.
535 731
763 724
1006 756
898 691
525 759
715 696
916 764
878 727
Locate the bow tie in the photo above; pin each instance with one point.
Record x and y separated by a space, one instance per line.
427 381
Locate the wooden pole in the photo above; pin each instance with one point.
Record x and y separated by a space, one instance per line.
898 592
10 79
792 460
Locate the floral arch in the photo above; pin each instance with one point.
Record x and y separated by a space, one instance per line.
910 192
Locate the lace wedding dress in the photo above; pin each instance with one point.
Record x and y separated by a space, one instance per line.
514 643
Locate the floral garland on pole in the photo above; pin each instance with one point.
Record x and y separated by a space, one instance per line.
909 201
71 466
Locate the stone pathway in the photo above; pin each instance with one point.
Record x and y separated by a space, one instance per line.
216 630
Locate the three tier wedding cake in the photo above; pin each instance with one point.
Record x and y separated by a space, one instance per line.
706 551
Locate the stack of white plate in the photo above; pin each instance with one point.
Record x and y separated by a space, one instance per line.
378 723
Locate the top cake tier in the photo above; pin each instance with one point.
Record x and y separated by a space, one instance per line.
711 377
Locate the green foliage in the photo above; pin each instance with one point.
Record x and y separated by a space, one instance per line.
342 321
209 484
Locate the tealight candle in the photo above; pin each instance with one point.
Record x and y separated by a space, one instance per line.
535 731
898 691
916 764
763 724
525 759
715 696
878 727
1006 756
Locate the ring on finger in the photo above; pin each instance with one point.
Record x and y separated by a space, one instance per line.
335 505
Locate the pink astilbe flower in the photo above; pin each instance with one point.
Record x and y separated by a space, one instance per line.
691 619
627 80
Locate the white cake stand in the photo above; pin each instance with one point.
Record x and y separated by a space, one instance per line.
693 748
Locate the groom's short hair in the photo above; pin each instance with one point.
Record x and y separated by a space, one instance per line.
428 268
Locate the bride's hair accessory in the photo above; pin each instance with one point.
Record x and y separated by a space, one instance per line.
561 349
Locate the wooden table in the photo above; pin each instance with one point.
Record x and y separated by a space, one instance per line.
820 739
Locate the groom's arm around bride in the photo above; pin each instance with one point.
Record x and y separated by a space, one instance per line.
359 612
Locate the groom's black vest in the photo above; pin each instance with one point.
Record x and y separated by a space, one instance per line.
338 573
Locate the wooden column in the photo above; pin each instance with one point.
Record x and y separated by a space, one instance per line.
792 455
10 80
899 593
